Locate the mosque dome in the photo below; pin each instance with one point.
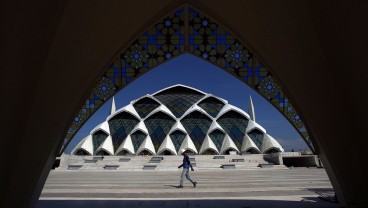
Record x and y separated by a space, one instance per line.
174 119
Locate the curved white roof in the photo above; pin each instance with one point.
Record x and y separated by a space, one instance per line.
167 144
129 109
147 145
163 109
253 125
212 96
126 145
87 143
249 144
195 108
208 144
215 126
228 144
187 145
178 85
107 146
229 107
269 142
178 126
104 126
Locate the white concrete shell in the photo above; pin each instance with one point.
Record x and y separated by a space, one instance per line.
86 145
145 96
213 96
195 108
106 146
147 145
187 145
253 125
248 144
129 109
167 144
228 144
229 107
215 126
140 126
178 126
126 145
163 109
270 143
104 126
208 144
178 85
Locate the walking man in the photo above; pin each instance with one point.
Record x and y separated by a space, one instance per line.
186 164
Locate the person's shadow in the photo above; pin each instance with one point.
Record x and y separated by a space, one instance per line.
171 186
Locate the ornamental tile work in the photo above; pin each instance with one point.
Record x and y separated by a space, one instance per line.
205 39
160 43
211 42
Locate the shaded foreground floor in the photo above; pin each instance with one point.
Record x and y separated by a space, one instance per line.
299 187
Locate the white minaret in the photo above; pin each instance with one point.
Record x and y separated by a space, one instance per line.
251 110
113 108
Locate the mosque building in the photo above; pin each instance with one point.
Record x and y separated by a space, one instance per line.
174 119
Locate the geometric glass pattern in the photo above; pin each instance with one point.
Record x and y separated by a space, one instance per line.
211 105
120 126
145 106
137 139
178 99
159 125
234 125
257 137
197 125
177 137
187 30
98 138
217 137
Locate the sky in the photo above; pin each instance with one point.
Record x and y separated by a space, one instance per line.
194 72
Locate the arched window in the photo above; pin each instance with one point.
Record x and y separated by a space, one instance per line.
98 138
120 126
197 125
159 125
234 125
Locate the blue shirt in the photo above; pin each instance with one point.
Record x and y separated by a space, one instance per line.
186 162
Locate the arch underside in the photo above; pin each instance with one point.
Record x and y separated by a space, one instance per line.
187 30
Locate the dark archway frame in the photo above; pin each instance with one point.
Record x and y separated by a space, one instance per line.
187 30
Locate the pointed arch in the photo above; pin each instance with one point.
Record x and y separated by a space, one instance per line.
187 30
145 106
196 124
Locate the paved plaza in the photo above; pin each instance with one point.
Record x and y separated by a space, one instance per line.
297 187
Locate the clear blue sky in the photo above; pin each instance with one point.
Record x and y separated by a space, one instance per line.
192 71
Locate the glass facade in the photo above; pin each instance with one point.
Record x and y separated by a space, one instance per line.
197 125
217 137
145 106
120 126
159 125
234 125
178 99
155 124
98 138
257 137
211 105
137 139
177 137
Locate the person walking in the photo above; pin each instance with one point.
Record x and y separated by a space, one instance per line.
186 165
